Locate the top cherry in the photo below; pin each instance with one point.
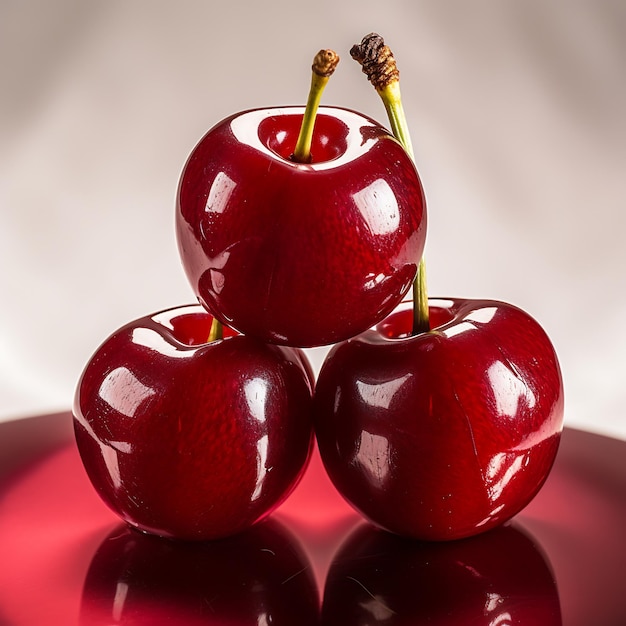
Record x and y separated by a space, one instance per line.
300 253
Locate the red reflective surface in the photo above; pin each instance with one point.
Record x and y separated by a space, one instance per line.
67 561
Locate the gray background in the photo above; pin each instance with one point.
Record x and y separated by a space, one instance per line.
516 112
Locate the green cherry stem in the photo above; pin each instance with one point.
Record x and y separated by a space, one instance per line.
324 65
390 95
379 65
217 331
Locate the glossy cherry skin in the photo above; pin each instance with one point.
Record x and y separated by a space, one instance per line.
300 254
443 434
188 439
498 578
261 576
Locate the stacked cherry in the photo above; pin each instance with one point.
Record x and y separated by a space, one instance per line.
302 227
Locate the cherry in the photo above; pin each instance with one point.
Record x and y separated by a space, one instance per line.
191 439
443 434
261 576
300 253
501 577
444 420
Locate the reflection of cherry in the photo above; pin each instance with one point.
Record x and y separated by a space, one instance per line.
259 577
500 577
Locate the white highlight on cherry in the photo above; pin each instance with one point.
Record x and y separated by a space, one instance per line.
482 316
149 338
373 455
380 395
379 207
255 391
261 466
219 194
123 391
508 389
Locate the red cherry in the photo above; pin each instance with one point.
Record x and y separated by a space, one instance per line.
447 433
261 576
300 254
189 439
501 577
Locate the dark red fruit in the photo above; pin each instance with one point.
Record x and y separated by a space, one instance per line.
447 433
189 439
300 254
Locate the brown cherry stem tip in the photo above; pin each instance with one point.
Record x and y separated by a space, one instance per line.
376 60
325 63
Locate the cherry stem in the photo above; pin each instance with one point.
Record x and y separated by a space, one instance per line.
217 330
379 65
390 95
324 65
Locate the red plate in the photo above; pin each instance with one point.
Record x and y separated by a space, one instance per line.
66 560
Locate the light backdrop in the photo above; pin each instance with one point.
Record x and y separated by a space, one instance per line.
516 112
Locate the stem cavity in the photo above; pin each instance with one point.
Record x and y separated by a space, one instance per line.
379 65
